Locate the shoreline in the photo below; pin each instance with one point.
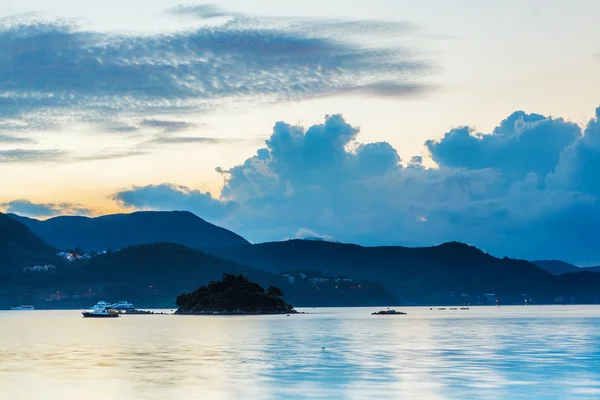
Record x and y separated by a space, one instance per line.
331 307
237 312
145 312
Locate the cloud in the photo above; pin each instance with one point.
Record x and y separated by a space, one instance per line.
307 234
521 144
173 197
27 208
579 168
54 72
107 155
14 139
529 190
202 11
123 128
389 89
166 126
31 156
182 140
305 26
186 140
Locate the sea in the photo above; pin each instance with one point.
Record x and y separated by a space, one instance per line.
507 352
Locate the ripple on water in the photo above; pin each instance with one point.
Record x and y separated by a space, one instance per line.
511 352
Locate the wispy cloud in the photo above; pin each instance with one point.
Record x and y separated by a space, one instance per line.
53 72
202 11
109 155
183 140
123 128
9 139
31 156
166 126
385 90
28 208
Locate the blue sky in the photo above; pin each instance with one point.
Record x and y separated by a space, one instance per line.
383 122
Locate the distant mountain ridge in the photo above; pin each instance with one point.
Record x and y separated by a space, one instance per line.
118 231
421 275
169 247
20 247
154 275
557 267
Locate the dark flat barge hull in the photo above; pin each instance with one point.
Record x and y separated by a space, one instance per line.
92 315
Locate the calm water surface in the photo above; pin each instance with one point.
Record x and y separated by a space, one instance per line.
483 353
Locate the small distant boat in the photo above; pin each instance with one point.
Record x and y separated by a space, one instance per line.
122 305
22 308
100 314
442 308
453 308
464 308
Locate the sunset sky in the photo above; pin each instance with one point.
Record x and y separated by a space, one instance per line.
380 122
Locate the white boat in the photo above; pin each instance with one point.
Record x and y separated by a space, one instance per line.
101 306
22 308
122 305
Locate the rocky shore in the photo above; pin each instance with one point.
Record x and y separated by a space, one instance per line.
388 312
236 312
144 312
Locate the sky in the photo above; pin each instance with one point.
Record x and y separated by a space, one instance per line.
379 123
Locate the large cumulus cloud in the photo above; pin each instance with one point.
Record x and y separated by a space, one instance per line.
579 168
528 189
521 144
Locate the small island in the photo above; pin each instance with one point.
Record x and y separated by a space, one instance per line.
388 312
233 295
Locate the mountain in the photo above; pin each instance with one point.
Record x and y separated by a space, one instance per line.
560 267
451 272
310 272
122 230
19 247
154 275
595 269
557 267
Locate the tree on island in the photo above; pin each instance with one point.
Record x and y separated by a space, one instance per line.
274 292
233 294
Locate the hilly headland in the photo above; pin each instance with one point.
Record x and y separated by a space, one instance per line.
151 266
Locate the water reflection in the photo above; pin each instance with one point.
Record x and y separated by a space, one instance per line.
508 352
